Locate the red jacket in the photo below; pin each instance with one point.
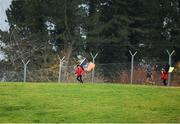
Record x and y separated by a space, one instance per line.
79 71
163 75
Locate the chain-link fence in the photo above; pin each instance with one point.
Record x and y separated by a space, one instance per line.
110 73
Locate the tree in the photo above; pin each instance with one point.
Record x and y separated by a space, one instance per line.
52 24
109 29
171 17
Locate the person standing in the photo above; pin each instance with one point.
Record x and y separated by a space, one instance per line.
149 75
164 76
79 70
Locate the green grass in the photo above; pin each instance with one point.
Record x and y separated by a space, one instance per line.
50 102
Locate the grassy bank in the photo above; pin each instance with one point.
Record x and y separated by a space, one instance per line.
50 102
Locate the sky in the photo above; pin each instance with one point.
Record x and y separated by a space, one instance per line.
4 4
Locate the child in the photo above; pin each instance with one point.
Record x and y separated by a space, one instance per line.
164 76
79 70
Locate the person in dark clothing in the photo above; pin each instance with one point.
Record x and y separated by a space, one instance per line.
79 70
166 68
149 75
164 76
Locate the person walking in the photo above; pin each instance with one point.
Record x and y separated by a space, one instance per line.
149 75
164 76
79 70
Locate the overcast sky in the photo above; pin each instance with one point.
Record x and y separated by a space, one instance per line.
4 4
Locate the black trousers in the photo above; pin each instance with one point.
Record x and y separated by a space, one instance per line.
164 82
79 78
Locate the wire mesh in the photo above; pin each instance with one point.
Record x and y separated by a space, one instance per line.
104 73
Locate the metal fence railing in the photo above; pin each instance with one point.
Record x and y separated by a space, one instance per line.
110 73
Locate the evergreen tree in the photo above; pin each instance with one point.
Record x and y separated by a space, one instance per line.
110 29
170 13
55 22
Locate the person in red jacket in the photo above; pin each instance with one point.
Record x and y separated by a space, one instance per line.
164 76
79 70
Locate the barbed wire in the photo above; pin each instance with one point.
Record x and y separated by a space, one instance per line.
123 45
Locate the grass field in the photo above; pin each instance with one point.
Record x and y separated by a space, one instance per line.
53 102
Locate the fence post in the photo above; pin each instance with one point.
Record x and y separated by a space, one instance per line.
93 72
169 74
25 69
60 67
132 64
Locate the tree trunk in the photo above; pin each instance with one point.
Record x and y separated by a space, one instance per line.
69 42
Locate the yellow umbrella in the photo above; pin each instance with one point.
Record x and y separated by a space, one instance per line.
90 66
171 69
